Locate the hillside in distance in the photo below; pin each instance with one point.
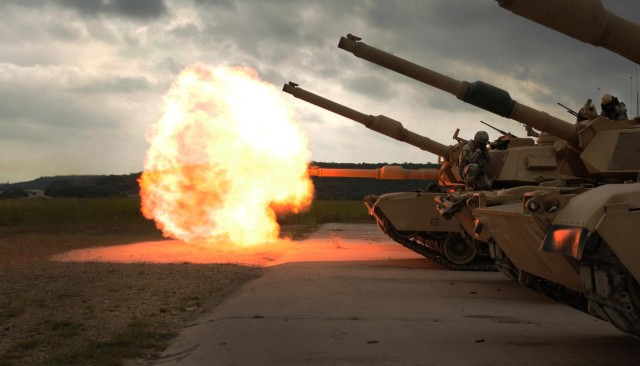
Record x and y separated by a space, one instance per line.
127 184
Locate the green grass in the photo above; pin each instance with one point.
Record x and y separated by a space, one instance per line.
322 212
67 211
120 210
43 227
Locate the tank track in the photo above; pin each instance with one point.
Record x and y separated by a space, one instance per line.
613 293
482 263
552 290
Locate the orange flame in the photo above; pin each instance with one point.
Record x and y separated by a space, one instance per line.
223 159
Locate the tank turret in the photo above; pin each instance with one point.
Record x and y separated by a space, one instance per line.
521 164
598 148
478 93
590 22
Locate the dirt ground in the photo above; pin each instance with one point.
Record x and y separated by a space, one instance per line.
64 313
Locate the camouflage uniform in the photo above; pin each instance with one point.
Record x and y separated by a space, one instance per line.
613 109
472 160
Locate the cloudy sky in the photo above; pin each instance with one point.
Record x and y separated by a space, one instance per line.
81 80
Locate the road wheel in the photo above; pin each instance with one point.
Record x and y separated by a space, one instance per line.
457 250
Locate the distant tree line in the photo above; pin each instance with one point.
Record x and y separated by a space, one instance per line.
76 186
123 185
14 193
101 186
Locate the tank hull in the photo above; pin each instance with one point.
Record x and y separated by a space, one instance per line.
586 242
519 236
412 219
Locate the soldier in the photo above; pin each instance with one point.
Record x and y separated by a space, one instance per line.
613 109
472 160
587 112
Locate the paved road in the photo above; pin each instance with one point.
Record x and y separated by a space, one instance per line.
395 310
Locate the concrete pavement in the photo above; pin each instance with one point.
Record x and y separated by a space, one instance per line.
393 311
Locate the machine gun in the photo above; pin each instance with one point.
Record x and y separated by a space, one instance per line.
499 130
586 112
501 143
569 110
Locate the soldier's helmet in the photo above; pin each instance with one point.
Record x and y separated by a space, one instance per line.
481 137
609 103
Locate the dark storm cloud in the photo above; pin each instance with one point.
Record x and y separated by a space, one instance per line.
286 38
92 70
473 33
139 9
486 36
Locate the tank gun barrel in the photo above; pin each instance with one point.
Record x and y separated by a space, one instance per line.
589 22
381 124
479 93
392 172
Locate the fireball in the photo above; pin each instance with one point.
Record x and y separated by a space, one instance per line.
225 157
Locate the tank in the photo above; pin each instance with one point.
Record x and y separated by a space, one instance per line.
575 241
522 162
412 219
597 149
596 230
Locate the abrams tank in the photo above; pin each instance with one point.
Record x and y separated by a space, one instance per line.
597 230
574 240
402 215
412 220
520 162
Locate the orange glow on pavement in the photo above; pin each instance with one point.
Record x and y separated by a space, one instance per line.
223 159
277 252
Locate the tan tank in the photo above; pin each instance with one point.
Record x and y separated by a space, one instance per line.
522 162
595 231
574 242
412 220
595 149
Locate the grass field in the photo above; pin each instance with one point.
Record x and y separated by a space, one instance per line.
108 211
54 313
